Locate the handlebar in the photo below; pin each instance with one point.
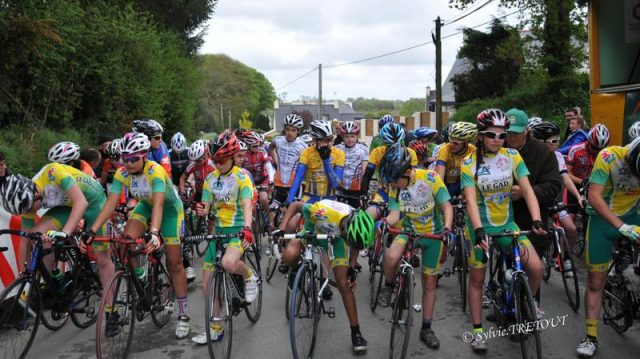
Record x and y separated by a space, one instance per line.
414 235
30 235
304 235
211 237
507 233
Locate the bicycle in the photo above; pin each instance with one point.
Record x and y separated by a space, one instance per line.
260 224
509 293
128 298
402 297
23 301
276 246
555 250
461 248
376 258
621 295
306 303
193 226
225 294
582 221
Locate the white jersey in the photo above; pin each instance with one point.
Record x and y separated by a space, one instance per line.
432 166
353 171
287 155
562 166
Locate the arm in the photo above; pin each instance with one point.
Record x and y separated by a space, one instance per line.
301 171
571 187
393 217
574 178
248 211
366 177
271 172
440 169
334 173
80 205
601 207
447 210
107 210
157 200
183 180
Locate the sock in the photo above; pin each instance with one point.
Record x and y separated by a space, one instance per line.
355 329
183 308
248 274
108 308
592 328
477 328
426 324
389 284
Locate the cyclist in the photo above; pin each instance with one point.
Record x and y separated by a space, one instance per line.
159 209
228 191
158 151
356 157
377 140
199 167
450 155
422 152
286 150
258 163
614 200
355 229
580 161
421 195
436 149
487 177
426 135
179 157
68 153
634 131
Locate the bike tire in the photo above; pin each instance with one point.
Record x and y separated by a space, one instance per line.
253 309
615 305
122 295
570 277
402 317
201 247
15 320
218 292
303 313
161 293
530 345
272 264
549 258
85 302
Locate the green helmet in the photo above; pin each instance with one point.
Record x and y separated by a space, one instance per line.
360 229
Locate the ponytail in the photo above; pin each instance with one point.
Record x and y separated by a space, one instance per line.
479 151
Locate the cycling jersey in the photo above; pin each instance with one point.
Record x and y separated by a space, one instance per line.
621 189
375 143
493 183
436 151
287 153
179 163
581 159
226 192
54 180
353 171
320 182
376 155
562 165
257 163
199 172
86 168
324 217
451 163
161 155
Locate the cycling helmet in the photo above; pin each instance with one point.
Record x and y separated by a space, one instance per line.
134 143
394 163
421 150
633 157
350 127
306 138
492 117
293 120
243 146
251 139
17 193
544 130
598 136
197 150
115 147
392 133
178 142
225 146
634 130
321 129
64 152
385 120
533 121
360 229
464 131
422 132
148 126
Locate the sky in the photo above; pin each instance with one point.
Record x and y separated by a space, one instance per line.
284 39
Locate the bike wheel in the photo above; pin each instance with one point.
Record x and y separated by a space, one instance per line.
201 247
54 312
461 261
85 303
549 258
20 312
615 304
161 293
272 264
578 249
581 228
530 345
402 317
114 330
570 277
303 313
376 274
218 309
256 228
253 309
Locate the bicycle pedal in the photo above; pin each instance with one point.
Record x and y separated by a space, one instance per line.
169 308
417 307
331 312
447 272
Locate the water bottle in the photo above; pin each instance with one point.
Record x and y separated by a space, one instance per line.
57 277
508 278
109 228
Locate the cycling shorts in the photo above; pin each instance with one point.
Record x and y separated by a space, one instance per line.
340 250
280 194
59 215
431 252
209 263
599 240
504 243
172 226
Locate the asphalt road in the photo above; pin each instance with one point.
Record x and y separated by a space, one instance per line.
269 338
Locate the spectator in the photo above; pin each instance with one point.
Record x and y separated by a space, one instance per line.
92 156
4 171
103 143
577 135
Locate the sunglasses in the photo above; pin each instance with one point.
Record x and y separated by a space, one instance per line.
131 159
157 138
554 141
456 143
493 135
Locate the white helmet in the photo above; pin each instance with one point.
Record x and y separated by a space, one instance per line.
634 130
134 143
598 136
533 121
178 142
115 147
243 146
197 150
321 129
306 138
17 193
293 120
64 152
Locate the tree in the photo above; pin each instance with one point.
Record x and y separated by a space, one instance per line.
244 121
412 106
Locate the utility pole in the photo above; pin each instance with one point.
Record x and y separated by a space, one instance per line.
221 116
229 117
319 91
438 44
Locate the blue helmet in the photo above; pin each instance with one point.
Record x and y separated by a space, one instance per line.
385 120
394 163
422 132
391 133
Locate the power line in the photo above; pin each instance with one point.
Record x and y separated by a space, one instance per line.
462 16
297 78
379 56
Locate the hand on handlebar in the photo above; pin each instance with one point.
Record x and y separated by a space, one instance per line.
200 209
153 244
86 238
247 237
538 228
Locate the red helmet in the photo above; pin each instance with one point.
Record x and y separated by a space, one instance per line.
225 146
492 117
420 148
350 127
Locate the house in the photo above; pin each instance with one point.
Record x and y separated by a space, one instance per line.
341 110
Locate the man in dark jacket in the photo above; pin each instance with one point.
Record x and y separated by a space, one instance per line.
544 175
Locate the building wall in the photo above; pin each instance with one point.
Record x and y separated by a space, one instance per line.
369 127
